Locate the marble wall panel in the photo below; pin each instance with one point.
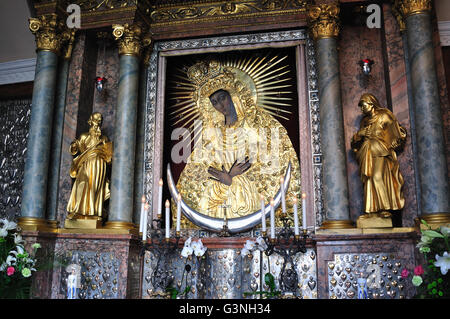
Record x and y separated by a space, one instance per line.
400 107
106 100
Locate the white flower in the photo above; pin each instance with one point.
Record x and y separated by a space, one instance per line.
262 246
443 262
187 249
199 249
3 266
7 225
19 251
445 230
245 252
248 248
3 232
10 260
18 239
11 225
424 241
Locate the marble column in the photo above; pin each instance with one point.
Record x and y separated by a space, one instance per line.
57 133
123 162
34 195
432 165
140 139
324 26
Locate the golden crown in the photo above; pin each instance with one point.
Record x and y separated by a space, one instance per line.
201 72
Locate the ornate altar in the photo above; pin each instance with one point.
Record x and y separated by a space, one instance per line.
145 50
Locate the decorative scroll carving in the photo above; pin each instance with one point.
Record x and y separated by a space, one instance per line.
130 38
223 9
410 7
50 32
98 5
323 20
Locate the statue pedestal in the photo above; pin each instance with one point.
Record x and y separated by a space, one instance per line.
374 220
83 223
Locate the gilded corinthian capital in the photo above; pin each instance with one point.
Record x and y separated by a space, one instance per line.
130 38
411 7
323 20
50 32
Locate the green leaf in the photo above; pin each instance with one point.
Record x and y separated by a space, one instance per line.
270 281
433 234
425 223
186 290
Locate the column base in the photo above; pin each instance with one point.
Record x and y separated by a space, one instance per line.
122 227
337 224
36 224
434 220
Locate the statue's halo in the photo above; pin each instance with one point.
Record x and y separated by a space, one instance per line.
235 225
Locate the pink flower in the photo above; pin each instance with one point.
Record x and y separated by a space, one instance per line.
10 271
418 270
405 273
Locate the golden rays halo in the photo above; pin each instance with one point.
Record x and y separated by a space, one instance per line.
267 78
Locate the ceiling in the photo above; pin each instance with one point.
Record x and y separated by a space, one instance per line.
17 43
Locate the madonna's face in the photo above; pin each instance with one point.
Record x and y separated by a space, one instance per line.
366 107
222 102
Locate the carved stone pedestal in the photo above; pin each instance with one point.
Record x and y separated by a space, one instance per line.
380 257
373 221
110 264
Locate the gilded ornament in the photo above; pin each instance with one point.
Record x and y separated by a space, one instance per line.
91 187
49 31
375 145
231 99
412 7
323 20
130 38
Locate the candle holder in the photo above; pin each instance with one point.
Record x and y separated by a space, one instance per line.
287 245
162 247
158 241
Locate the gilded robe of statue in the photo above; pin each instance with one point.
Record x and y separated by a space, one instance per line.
91 187
375 143
252 140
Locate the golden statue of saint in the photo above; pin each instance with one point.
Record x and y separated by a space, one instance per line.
379 136
91 187
241 151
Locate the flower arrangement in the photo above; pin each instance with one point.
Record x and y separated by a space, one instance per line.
16 264
269 279
433 281
190 248
251 245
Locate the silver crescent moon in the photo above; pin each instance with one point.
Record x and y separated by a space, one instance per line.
235 225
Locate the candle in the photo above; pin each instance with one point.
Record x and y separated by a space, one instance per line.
263 215
160 193
296 232
283 199
141 223
178 212
167 219
272 220
304 211
144 222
